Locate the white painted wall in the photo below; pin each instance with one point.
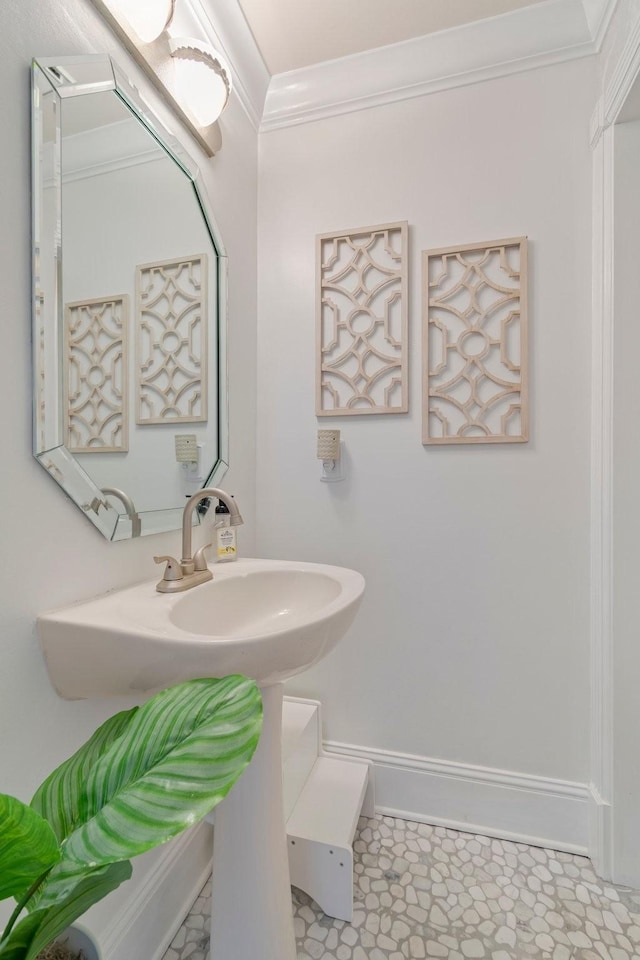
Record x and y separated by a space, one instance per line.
51 554
472 643
626 506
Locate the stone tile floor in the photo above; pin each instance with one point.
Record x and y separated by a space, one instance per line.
429 892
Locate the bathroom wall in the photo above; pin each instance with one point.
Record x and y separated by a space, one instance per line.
51 554
472 643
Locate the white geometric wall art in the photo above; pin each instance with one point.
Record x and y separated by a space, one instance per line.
361 364
171 341
474 335
95 375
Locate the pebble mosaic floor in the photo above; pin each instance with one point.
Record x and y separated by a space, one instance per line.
429 893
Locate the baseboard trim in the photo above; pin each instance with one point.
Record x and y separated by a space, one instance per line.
498 803
157 911
601 841
482 829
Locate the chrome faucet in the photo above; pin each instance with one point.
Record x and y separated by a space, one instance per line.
190 571
127 503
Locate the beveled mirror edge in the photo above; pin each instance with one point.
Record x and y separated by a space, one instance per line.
75 482
39 78
222 465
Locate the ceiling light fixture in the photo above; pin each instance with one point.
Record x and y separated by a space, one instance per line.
192 77
202 79
147 18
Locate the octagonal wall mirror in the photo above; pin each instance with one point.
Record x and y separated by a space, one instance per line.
129 304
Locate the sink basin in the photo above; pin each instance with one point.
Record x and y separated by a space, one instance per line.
268 619
257 603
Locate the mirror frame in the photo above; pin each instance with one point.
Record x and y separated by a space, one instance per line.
54 74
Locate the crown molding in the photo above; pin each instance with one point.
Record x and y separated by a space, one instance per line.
624 76
539 35
597 124
104 149
599 14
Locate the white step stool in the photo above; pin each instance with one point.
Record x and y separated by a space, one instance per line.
324 795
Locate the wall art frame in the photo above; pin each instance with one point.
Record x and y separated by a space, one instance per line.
475 390
362 321
171 380
96 373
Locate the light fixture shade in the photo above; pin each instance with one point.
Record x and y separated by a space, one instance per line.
147 18
202 77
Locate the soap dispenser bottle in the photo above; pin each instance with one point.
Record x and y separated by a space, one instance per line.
225 535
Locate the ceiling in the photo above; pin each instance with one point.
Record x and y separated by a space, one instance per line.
298 33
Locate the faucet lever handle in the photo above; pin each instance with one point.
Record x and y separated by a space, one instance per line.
200 559
173 570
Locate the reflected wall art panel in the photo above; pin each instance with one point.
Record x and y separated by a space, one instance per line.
475 378
95 376
171 343
362 321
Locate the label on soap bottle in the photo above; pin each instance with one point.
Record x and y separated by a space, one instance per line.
226 544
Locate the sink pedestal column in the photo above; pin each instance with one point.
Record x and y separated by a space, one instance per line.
252 916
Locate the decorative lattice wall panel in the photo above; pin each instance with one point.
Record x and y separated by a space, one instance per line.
362 321
475 343
95 375
171 342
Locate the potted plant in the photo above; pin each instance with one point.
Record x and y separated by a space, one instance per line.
144 776
75 943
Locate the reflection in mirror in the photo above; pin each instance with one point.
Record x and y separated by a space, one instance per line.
129 304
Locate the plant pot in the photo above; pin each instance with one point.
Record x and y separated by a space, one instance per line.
79 939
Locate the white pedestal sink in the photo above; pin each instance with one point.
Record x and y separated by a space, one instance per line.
267 619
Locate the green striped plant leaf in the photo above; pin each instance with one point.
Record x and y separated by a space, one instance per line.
61 799
92 888
176 758
28 847
40 928
16 945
